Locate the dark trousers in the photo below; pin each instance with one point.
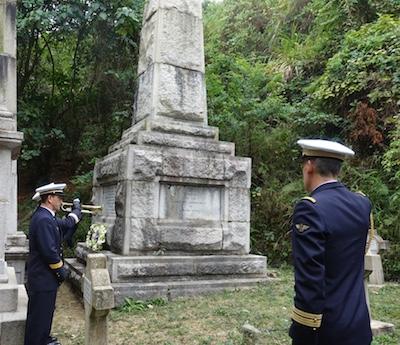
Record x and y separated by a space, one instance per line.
41 305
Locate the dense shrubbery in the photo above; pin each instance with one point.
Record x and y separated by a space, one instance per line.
281 70
277 70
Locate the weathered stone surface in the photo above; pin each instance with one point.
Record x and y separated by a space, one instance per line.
119 238
191 237
144 235
180 141
8 100
110 166
12 325
7 27
231 264
144 163
7 123
237 237
238 171
17 253
179 201
174 38
239 205
192 7
176 92
144 199
375 264
135 267
9 293
98 296
175 127
379 327
185 164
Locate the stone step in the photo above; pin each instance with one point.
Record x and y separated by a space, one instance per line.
126 268
185 132
12 324
173 289
9 292
170 287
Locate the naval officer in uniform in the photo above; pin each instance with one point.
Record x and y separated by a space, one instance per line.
329 233
45 265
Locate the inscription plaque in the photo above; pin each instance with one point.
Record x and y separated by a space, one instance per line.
190 202
109 200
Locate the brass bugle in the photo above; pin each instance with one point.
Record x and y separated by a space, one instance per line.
88 209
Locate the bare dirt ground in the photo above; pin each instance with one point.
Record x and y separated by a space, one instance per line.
69 318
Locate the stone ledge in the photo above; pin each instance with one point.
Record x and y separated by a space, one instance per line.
379 327
172 290
164 126
181 141
9 293
12 324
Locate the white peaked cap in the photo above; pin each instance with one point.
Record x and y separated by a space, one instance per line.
324 148
52 188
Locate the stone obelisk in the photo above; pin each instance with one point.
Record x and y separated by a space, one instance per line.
175 197
13 298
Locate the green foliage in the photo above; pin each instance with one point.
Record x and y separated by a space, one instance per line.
132 305
279 70
362 81
75 89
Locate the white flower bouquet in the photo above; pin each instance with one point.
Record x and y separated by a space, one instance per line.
96 236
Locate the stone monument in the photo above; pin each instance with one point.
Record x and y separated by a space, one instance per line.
370 265
176 199
13 299
377 244
98 296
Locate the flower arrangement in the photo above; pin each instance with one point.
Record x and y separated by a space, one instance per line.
96 236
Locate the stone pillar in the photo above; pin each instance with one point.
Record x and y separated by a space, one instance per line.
98 297
10 139
377 244
13 299
171 63
378 327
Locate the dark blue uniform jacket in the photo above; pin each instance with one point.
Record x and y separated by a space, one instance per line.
45 252
329 235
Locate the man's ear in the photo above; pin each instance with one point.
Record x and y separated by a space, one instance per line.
309 166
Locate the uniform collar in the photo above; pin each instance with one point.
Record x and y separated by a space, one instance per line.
51 211
327 185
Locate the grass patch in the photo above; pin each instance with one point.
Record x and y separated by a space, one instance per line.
217 319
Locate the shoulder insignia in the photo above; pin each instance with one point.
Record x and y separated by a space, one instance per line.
309 198
302 227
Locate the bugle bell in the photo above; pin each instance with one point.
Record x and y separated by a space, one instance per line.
87 209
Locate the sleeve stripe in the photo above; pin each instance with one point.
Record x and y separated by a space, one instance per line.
57 265
306 319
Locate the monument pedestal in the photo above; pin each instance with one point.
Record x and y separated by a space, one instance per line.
17 251
13 307
155 276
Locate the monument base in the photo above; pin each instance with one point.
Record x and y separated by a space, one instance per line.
12 320
379 327
171 276
16 254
